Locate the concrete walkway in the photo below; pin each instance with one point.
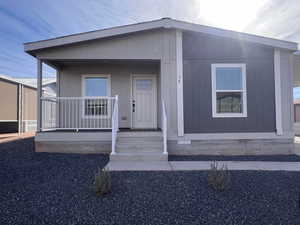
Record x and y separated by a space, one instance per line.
200 165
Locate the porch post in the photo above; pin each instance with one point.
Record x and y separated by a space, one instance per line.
39 94
57 117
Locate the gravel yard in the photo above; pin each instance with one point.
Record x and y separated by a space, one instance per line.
42 188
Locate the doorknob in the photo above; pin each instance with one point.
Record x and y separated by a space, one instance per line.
133 105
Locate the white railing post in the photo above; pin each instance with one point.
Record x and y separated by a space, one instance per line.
114 126
117 112
164 127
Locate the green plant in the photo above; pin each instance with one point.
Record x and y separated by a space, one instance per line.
102 182
218 177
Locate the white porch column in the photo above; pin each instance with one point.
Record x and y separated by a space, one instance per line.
57 117
39 94
179 72
278 106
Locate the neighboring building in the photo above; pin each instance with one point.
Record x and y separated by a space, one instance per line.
18 104
297 116
49 84
191 89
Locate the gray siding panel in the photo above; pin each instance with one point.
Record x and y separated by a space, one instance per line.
197 84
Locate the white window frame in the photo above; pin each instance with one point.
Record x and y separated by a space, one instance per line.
215 114
83 77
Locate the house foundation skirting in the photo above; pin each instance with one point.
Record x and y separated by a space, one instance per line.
81 147
233 147
213 147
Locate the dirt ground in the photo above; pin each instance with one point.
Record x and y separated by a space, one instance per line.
15 136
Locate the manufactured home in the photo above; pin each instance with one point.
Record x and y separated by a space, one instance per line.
146 90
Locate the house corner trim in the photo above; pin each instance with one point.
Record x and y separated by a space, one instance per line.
179 70
278 107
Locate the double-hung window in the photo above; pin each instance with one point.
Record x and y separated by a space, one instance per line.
229 96
95 90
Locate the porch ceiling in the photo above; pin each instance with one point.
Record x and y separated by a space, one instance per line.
60 63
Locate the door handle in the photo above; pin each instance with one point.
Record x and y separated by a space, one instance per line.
133 106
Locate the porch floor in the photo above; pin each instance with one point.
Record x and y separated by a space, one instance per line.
101 130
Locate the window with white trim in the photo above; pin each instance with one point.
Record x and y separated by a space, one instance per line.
229 95
96 87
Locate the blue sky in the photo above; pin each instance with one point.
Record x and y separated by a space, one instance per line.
32 20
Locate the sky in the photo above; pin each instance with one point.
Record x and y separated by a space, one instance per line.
31 20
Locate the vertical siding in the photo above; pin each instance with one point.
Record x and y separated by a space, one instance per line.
199 52
8 100
297 113
29 101
286 73
70 82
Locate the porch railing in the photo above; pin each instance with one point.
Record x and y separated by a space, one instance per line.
164 127
77 113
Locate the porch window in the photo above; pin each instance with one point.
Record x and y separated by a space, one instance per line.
95 88
229 96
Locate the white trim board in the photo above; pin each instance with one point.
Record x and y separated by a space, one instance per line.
161 23
277 78
179 68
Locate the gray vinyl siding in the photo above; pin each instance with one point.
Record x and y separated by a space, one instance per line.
120 74
202 50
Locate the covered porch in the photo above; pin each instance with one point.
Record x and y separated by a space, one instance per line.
102 97
107 82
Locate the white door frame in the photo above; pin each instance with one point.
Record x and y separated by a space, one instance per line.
153 76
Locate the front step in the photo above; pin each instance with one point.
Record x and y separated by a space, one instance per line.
126 156
139 146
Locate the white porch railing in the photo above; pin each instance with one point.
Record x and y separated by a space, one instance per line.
77 113
164 127
115 126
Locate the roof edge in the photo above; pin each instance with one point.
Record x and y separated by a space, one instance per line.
97 34
155 24
9 79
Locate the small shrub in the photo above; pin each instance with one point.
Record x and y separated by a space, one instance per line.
218 177
102 183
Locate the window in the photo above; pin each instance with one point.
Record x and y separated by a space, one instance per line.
95 88
229 97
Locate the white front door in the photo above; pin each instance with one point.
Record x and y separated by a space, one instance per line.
144 102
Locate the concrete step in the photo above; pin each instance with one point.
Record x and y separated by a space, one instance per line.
139 157
140 134
139 150
140 144
132 139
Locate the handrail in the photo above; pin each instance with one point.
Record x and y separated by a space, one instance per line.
77 113
83 97
115 126
164 127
